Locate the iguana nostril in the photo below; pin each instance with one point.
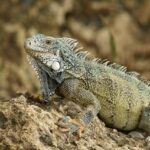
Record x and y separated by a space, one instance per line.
29 43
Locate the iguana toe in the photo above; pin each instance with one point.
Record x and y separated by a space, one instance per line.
67 124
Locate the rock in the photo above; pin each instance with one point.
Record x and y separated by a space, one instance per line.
148 142
136 134
26 124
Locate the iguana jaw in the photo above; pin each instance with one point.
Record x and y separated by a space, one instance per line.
36 52
32 47
38 45
33 50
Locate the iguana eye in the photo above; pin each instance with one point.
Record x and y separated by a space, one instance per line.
48 42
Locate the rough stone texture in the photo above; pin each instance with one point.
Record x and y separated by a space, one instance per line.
26 124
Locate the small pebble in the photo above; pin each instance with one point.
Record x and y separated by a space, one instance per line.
148 139
115 130
136 134
148 145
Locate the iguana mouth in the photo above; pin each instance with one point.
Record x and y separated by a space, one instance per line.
32 49
36 53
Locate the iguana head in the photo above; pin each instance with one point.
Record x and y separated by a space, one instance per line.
56 53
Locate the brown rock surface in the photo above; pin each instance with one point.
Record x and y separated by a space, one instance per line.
28 125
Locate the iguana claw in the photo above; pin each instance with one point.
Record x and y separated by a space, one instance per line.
70 125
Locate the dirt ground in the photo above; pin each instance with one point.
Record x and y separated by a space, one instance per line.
117 30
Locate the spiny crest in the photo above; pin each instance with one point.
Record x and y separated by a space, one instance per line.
131 73
118 67
72 43
84 55
105 62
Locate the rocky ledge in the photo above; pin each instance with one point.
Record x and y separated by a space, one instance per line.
29 125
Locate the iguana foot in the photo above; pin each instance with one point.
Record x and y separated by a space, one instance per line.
70 125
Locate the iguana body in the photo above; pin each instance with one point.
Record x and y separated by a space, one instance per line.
121 98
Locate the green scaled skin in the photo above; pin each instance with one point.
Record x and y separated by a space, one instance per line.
120 98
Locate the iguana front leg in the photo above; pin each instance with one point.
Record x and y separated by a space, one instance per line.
74 90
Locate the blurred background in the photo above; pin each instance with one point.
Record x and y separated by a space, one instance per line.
117 30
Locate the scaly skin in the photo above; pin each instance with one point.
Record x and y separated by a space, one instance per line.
121 98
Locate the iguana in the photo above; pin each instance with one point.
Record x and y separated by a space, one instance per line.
119 97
